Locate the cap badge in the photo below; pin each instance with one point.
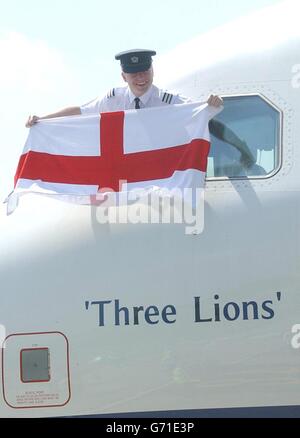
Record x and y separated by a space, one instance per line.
134 59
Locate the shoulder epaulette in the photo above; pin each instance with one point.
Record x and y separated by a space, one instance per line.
111 93
167 97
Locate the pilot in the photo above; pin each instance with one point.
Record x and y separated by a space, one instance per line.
137 72
140 92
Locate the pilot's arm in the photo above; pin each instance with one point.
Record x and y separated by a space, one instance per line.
70 111
224 133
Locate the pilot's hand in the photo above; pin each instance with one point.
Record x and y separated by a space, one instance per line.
216 101
32 120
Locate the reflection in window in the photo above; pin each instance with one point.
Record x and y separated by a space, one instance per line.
245 138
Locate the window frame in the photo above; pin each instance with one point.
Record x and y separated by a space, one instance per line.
279 139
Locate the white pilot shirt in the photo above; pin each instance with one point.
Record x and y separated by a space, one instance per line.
120 99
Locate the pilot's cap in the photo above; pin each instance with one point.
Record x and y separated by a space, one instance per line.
136 60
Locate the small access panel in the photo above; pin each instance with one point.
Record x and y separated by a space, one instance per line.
35 370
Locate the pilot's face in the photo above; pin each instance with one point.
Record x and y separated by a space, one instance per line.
139 83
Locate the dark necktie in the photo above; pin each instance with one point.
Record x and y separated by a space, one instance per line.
137 103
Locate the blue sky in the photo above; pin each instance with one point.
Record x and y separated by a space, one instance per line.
60 53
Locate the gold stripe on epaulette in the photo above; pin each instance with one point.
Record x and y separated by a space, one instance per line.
111 93
167 97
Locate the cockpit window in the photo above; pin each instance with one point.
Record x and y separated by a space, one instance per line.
245 139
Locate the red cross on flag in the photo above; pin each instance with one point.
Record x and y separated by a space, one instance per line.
77 157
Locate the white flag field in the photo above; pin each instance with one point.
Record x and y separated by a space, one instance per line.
86 159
